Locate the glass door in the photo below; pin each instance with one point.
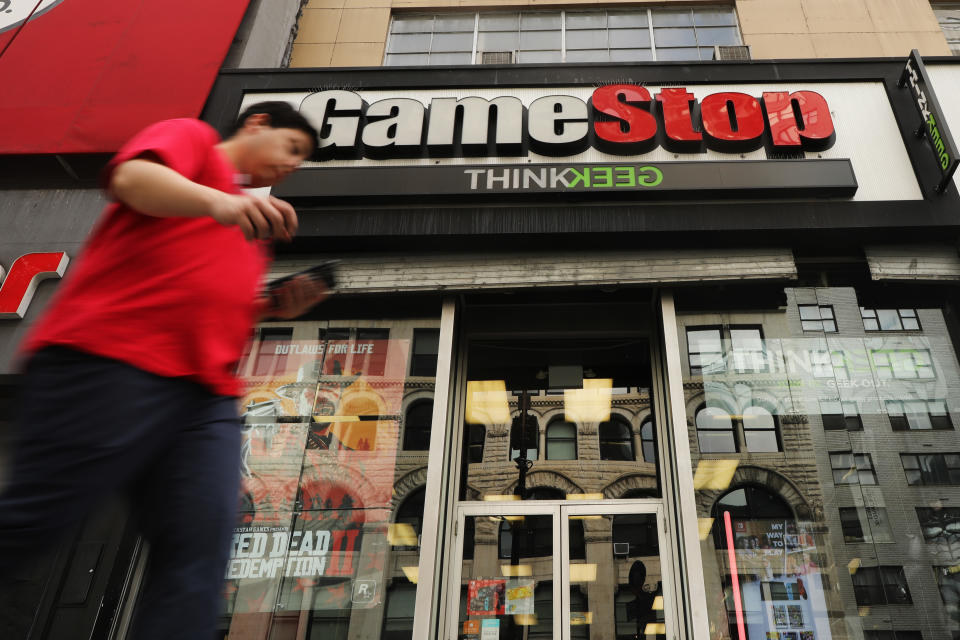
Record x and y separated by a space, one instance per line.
552 570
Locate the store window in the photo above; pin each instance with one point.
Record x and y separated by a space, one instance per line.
648 441
861 525
890 634
328 539
616 439
814 317
423 359
612 35
476 437
948 15
755 429
561 440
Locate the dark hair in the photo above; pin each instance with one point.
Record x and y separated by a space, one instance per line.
282 116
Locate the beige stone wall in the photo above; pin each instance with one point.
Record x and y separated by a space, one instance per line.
348 33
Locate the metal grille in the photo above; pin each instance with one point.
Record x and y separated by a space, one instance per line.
731 52
496 57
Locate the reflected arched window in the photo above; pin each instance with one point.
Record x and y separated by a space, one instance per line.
408 524
758 518
715 432
616 440
760 430
476 434
561 440
648 441
526 438
416 426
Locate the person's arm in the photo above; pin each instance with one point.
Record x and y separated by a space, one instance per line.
157 190
293 299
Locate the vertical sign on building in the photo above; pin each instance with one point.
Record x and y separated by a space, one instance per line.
933 125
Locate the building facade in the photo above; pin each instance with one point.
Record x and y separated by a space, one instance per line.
632 339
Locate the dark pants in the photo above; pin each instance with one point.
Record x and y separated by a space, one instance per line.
90 426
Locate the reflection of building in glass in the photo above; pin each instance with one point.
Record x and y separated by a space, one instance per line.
821 431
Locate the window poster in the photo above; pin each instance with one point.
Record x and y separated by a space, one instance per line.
486 597
519 596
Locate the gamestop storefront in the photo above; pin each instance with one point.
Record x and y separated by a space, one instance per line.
660 351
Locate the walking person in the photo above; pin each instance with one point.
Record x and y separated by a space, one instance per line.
129 377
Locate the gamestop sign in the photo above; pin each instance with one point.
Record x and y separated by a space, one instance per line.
620 119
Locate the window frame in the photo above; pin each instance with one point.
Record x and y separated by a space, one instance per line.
856 459
871 315
900 421
560 440
920 469
819 320
618 442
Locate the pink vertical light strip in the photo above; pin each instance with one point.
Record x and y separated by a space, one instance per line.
732 557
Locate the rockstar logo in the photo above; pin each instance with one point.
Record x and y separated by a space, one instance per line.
14 14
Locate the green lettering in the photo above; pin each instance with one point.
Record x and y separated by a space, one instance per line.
607 174
652 177
581 176
628 173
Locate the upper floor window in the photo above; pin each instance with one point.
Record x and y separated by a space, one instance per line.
931 468
616 439
881 585
271 360
817 318
905 364
648 441
705 350
423 359
948 15
757 429
890 319
477 434
561 440
614 35
416 426
939 525
852 468
829 364
918 415
840 414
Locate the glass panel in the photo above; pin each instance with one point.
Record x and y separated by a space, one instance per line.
499 21
677 54
619 574
407 59
631 55
839 533
328 538
498 41
540 21
718 35
630 38
586 39
672 18
713 17
586 20
627 19
674 37
561 390
450 58
412 24
537 57
409 42
506 582
587 55
540 40
447 22
452 42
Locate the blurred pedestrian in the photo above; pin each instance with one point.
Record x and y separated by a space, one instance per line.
130 376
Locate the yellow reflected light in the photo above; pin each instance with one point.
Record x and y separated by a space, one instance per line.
584 496
583 573
323 419
704 525
714 474
512 518
412 573
494 497
516 570
657 603
853 565
487 402
525 619
401 534
655 628
590 404
585 517
581 617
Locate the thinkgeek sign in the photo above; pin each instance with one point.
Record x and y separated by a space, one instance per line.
403 146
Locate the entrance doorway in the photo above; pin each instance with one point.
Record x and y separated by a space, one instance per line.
559 517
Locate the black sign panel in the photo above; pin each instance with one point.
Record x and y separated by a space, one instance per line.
933 125
622 180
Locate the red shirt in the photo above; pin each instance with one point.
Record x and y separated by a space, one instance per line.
173 296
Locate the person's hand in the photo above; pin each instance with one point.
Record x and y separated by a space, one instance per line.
296 296
257 217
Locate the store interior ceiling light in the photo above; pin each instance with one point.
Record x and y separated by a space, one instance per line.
714 474
704 525
589 404
487 402
657 603
655 628
581 617
853 565
516 570
401 534
412 573
583 572
497 497
525 619
584 496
